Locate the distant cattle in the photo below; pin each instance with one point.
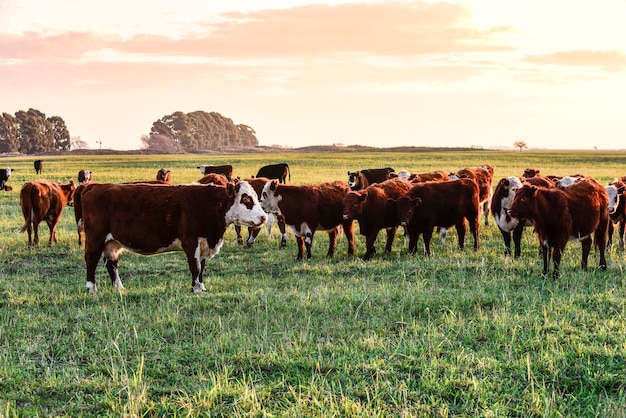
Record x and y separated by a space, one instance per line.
358 180
484 177
4 177
617 211
307 209
439 204
44 200
225 170
275 171
154 219
437 175
501 202
558 215
164 175
531 172
38 166
84 176
371 209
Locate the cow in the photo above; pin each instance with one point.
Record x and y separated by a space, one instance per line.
38 166
44 200
484 177
258 183
275 171
84 176
617 211
214 179
226 170
531 172
358 180
154 219
370 208
439 204
561 214
437 175
164 175
501 202
307 209
4 177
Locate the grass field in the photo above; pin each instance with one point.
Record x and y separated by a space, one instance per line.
455 334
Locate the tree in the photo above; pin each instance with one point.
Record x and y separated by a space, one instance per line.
9 133
521 145
161 143
77 143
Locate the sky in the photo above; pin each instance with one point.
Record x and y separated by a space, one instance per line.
479 73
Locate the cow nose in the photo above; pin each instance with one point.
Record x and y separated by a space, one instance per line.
345 217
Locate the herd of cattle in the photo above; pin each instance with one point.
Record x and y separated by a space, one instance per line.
152 217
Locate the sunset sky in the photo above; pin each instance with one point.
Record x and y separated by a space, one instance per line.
380 73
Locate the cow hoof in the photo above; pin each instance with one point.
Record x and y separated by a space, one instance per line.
283 244
240 241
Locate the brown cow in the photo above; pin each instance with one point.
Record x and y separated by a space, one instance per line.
370 208
307 209
558 215
44 200
439 204
84 176
501 201
358 180
484 177
154 219
164 176
215 179
225 170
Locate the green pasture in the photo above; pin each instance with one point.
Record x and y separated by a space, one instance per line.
455 334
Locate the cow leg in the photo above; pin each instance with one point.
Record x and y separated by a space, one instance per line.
53 231
35 233
586 249
332 242
300 245
29 230
280 220
92 258
112 252
427 237
506 236
621 228
195 268
486 210
545 253
557 255
517 239
252 234
238 232
308 242
348 230
391 233
443 234
460 231
609 238
413 239
370 250
600 239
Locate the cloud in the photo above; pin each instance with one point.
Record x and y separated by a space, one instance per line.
611 61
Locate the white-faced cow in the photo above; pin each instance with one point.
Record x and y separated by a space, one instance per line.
275 171
617 211
44 200
371 209
258 183
484 177
4 177
439 204
307 209
501 202
558 215
358 180
84 176
153 219
225 170
38 166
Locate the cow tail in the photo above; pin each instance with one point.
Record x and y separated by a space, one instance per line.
28 220
289 172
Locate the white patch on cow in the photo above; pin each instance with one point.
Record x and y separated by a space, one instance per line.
203 169
404 175
8 173
198 287
504 221
444 234
239 214
302 231
269 200
117 284
566 181
204 252
91 287
613 194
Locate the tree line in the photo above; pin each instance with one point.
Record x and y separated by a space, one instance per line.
31 132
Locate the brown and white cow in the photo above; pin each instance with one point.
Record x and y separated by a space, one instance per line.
371 209
84 176
560 214
439 204
484 177
5 173
307 209
258 183
358 180
617 211
153 219
164 175
225 170
44 200
278 171
502 200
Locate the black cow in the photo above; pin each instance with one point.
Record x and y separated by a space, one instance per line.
38 166
275 171
358 180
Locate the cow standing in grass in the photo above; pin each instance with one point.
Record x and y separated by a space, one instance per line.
558 215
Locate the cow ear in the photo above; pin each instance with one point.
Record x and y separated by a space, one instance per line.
231 189
416 202
362 197
392 203
72 184
533 190
506 182
273 185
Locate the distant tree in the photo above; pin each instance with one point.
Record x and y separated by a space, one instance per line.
521 145
61 134
77 143
161 143
9 133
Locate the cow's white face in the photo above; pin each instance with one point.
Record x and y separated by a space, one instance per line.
203 169
269 199
246 209
8 172
613 193
504 221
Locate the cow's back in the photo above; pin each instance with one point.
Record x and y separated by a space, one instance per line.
445 203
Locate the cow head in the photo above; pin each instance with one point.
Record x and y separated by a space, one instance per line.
202 168
531 172
84 176
245 209
352 176
353 202
615 191
269 198
523 206
404 207
70 190
164 175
